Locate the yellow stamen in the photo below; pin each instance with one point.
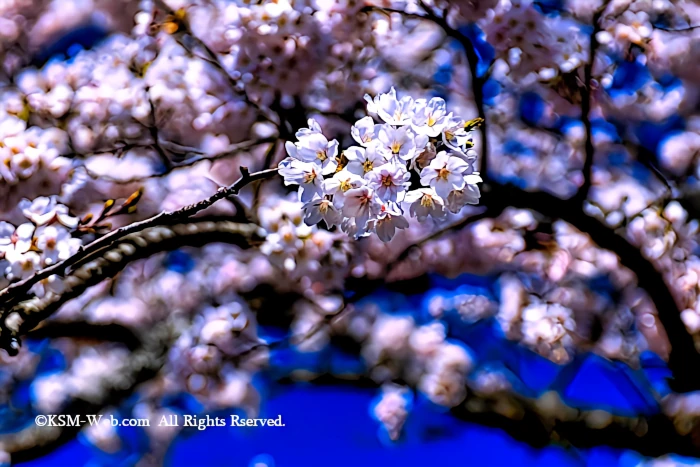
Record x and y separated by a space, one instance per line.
443 173
426 201
321 155
431 121
395 147
309 177
367 166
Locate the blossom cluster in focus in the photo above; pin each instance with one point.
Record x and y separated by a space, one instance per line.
418 161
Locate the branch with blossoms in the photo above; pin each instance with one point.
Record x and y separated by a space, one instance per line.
12 296
419 161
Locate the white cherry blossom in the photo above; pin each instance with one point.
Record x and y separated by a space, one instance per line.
388 221
394 111
321 208
389 181
425 202
305 174
363 131
361 161
400 142
340 183
314 127
361 203
454 135
444 174
314 147
470 194
430 117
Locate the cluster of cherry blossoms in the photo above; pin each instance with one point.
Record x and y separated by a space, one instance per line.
368 187
41 242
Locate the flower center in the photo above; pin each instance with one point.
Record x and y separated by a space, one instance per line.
321 155
449 135
367 137
387 181
443 173
345 185
25 163
395 147
367 166
426 201
323 207
309 177
431 120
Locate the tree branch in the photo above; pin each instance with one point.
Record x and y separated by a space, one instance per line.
586 97
13 293
142 365
26 315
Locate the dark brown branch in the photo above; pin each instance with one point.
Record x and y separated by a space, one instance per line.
142 365
26 315
13 293
684 359
586 97
232 150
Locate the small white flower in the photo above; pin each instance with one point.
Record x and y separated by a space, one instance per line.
22 265
314 147
305 174
470 194
340 183
26 163
444 174
388 220
400 142
394 111
23 237
363 131
363 160
319 208
430 117
389 181
45 209
55 243
425 202
454 135
361 203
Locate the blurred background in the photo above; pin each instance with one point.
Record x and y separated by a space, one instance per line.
556 322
